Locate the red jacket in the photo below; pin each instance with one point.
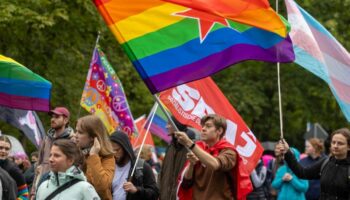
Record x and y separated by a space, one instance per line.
242 186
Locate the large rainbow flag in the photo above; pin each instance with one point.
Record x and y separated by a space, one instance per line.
320 53
21 88
171 44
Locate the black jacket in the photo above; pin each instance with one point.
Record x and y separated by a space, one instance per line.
335 183
143 180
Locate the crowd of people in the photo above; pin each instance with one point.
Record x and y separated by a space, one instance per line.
88 163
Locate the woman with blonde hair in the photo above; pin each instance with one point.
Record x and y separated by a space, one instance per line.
99 166
314 152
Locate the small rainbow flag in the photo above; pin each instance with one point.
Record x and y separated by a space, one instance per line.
170 44
159 122
21 88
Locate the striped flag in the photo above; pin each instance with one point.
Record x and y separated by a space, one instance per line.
320 53
21 88
171 44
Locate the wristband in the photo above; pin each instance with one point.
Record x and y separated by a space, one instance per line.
192 146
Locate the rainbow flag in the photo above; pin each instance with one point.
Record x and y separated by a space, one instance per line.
243 11
320 53
158 126
21 88
104 96
171 44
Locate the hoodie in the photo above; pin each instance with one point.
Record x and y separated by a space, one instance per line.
81 190
44 154
144 181
293 189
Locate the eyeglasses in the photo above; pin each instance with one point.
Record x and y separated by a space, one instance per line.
5 148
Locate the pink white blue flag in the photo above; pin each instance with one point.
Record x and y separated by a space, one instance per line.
320 53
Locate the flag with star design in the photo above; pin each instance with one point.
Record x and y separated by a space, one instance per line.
172 42
104 96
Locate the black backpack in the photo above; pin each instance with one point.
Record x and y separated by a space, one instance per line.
138 175
325 162
9 186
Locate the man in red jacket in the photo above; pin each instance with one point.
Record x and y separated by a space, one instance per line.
212 162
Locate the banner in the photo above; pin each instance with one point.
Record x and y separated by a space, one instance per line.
190 102
104 96
25 120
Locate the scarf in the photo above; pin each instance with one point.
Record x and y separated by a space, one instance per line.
241 186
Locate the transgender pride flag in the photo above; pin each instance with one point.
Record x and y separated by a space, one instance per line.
319 52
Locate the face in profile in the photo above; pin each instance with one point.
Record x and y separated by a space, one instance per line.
82 138
58 161
339 146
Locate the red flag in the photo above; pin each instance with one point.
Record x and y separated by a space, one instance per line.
140 124
191 101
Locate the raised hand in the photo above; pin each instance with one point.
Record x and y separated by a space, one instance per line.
96 147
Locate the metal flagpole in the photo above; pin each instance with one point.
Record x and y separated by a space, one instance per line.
168 116
143 142
147 119
279 91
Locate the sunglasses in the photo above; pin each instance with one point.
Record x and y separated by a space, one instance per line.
6 148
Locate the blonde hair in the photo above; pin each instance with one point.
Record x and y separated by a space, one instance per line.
146 152
317 144
93 125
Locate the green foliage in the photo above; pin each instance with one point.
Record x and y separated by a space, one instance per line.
55 38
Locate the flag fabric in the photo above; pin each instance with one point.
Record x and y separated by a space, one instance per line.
21 88
104 96
158 124
320 53
141 126
26 121
246 12
190 102
171 44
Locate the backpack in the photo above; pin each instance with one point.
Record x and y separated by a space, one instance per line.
138 175
325 162
9 186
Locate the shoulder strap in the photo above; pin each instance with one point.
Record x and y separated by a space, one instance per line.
324 164
349 174
63 187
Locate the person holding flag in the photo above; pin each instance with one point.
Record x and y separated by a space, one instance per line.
211 165
127 185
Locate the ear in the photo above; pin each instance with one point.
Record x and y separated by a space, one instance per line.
220 131
66 120
70 161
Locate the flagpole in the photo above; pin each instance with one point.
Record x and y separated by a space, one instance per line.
96 44
168 117
279 91
143 142
147 119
